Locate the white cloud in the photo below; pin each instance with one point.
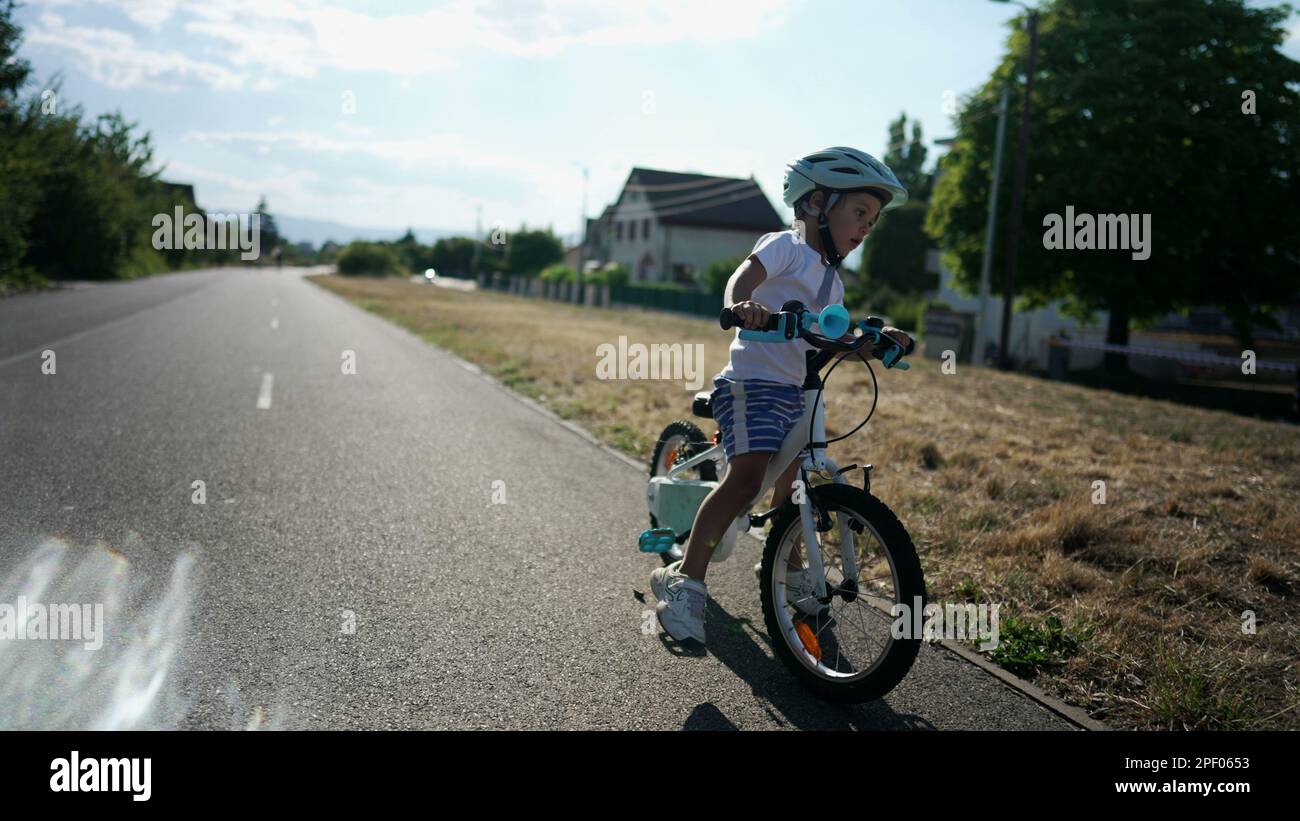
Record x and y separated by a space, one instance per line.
442 152
113 58
351 130
227 189
152 13
299 38
307 194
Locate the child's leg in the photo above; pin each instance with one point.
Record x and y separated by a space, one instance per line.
740 485
783 490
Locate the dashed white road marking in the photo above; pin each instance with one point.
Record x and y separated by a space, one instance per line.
275 323
264 396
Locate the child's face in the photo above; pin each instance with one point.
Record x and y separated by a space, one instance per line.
851 218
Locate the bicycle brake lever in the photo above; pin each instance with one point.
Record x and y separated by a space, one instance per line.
893 358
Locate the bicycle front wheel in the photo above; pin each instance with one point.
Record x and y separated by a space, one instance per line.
848 652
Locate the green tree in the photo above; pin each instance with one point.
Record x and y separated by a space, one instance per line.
894 253
907 158
91 214
414 256
329 252
528 252
19 162
269 239
453 256
1140 108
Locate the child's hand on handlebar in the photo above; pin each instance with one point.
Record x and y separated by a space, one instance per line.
898 336
751 314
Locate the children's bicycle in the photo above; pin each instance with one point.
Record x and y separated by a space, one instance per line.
837 636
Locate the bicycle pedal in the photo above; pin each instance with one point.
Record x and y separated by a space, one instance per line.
656 540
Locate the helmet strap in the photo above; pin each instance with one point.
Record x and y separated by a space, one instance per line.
833 255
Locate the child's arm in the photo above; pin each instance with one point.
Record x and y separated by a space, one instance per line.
740 288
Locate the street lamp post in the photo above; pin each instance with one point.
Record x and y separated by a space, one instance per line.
1018 191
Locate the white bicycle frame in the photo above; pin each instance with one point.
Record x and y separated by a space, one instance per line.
815 461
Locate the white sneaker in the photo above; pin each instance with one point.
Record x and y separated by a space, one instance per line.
682 601
659 578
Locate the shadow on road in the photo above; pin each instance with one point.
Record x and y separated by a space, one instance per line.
734 642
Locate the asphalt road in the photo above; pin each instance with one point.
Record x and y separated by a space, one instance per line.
350 568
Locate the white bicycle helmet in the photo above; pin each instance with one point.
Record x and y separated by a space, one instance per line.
838 170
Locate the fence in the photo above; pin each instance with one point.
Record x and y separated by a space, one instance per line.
606 296
1198 370
667 299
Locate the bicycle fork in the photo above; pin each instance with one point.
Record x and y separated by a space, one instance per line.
848 553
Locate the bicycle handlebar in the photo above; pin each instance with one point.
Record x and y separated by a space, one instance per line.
794 321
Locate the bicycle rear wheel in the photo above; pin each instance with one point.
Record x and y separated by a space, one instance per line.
848 652
680 441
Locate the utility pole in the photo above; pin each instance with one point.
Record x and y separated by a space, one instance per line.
990 228
478 235
582 240
1018 194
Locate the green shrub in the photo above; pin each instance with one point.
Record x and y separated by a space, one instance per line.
612 274
1025 648
368 259
905 311
22 279
559 273
663 286
715 277
144 261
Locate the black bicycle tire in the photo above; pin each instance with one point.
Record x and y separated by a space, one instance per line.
901 654
697 441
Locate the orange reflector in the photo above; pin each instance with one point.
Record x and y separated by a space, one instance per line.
672 457
809 639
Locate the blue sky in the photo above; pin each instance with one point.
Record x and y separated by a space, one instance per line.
497 104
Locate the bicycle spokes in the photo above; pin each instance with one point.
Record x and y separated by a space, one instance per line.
851 633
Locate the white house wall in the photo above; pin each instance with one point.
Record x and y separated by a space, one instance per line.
668 245
1030 330
698 247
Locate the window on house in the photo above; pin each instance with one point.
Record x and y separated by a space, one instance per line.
645 228
618 231
631 230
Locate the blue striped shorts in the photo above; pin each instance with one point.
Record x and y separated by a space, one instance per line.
754 415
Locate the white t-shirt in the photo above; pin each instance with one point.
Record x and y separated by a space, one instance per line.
794 271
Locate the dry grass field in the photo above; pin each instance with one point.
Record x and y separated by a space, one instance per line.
1135 610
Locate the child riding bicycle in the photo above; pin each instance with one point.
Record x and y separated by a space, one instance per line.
758 396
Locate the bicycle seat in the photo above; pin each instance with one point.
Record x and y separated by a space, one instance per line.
703 406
